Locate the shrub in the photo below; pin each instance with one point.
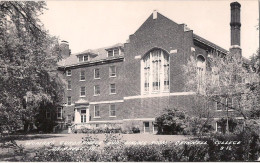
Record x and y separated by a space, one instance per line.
171 122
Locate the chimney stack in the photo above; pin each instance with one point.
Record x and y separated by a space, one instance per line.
235 29
65 50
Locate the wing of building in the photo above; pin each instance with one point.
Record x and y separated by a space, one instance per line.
136 80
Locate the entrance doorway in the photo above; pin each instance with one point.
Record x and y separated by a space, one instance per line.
146 127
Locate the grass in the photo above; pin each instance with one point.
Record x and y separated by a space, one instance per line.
35 141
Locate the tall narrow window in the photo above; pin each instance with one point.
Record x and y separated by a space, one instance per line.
112 71
96 74
96 111
166 72
96 90
83 115
69 100
146 73
82 75
68 72
112 88
112 110
155 72
201 69
82 91
69 85
59 113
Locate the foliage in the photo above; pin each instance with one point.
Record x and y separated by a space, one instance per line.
29 80
98 130
131 126
224 77
171 122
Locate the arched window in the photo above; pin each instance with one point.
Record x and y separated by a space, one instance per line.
155 72
201 69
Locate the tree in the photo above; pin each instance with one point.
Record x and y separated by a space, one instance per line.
28 64
227 80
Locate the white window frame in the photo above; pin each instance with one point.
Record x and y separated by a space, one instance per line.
61 110
68 72
80 75
115 50
69 97
95 88
80 57
110 110
95 73
110 72
84 58
82 91
69 85
96 107
111 88
112 53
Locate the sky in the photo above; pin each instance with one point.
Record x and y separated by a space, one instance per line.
96 24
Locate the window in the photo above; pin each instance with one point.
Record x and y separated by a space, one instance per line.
69 85
116 52
112 88
69 100
201 68
68 72
48 114
82 91
112 71
85 58
83 115
224 103
80 58
96 90
59 113
82 75
96 74
112 110
96 111
155 72
110 53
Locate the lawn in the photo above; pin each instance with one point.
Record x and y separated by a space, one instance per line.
32 142
39 140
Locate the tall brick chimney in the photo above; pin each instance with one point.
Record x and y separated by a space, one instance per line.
235 25
65 50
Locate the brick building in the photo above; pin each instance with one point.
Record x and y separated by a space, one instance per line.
136 80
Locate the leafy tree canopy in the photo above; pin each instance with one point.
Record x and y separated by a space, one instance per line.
28 64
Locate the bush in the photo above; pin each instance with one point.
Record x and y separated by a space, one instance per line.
171 122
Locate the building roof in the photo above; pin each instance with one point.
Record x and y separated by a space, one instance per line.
101 54
208 43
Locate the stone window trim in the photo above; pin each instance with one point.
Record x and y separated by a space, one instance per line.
96 90
82 76
96 71
112 110
112 89
112 71
96 107
82 93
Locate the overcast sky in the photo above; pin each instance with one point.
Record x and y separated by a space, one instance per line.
89 24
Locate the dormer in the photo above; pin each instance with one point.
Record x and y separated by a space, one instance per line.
115 50
86 56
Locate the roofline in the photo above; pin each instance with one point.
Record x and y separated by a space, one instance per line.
210 44
102 61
